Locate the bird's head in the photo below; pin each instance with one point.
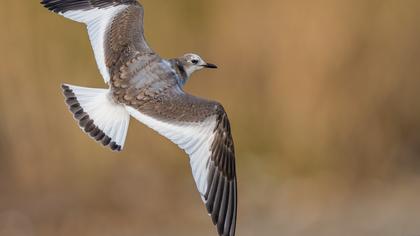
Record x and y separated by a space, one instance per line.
193 62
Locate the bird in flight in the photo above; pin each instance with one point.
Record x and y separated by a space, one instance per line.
150 89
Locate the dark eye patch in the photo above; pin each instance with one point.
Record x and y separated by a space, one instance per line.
194 61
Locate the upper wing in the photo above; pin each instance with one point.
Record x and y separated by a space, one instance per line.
202 129
115 29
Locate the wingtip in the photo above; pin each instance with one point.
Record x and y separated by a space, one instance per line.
49 5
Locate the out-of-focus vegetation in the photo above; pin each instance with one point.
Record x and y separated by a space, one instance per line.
323 97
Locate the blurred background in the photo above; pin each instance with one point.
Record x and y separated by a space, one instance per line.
323 97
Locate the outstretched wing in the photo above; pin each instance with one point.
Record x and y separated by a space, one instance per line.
202 129
115 29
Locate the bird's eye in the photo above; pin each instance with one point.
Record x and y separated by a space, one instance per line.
195 61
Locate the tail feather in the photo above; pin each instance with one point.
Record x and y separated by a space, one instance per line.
101 118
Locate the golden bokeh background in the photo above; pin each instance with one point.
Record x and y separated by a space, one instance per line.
323 97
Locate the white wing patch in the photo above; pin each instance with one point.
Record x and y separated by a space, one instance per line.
97 21
108 116
194 138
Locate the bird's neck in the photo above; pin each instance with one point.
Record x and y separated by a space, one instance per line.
180 71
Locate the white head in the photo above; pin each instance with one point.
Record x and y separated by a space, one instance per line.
193 62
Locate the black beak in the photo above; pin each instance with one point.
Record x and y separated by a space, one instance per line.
211 66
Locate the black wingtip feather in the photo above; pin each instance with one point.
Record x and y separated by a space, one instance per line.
62 6
221 195
217 200
222 211
212 192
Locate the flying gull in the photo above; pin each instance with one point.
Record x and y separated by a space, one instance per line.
150 89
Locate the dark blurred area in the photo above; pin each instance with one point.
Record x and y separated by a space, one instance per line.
323 97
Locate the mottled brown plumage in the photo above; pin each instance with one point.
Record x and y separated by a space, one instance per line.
142 81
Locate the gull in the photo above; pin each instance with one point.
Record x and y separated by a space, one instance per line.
150 89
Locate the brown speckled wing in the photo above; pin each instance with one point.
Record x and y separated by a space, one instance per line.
125 39
115 29
202 129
